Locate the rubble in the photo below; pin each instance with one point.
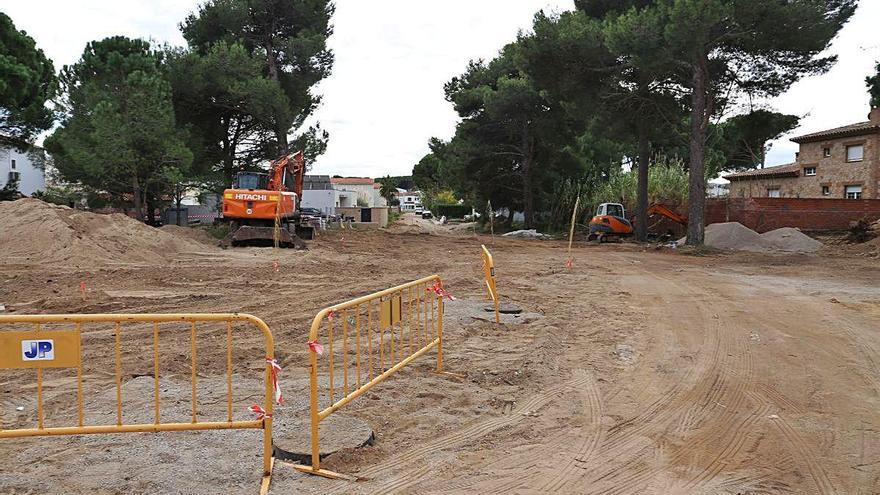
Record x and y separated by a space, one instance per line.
527 234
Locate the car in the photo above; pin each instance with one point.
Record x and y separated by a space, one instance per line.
311 212
427 215
418 210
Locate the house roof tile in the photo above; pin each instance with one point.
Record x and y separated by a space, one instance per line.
848 130
788 170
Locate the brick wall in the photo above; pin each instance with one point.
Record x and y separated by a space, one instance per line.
765 214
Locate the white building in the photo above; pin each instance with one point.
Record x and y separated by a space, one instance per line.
352 189
22 164
718 188
410 200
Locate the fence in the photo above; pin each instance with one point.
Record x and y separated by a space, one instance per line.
44 346
401 323
765 214
489 273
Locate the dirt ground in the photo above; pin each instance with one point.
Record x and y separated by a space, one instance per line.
651 371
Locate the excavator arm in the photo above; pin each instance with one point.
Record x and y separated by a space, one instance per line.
665 211
295 164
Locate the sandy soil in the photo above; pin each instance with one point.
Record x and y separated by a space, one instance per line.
649 372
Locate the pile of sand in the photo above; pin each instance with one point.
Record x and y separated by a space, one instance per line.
734 236
34 232
792 240
194 233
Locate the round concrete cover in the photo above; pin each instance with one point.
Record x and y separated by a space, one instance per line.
504 308
293 437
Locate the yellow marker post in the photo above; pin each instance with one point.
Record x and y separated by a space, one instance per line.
489 273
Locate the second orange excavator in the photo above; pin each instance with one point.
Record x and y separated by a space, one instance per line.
610 220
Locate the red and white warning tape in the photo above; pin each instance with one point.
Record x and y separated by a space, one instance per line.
316 347
275 368
260 412
438 289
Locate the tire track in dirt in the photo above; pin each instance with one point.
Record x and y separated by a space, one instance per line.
868 352
626 440
710 389
800 449
395 471
524 466
588 446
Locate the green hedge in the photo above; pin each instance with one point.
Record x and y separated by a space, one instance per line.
452 211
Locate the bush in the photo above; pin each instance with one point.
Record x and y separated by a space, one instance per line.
452 211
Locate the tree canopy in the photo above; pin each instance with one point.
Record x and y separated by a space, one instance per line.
874 87
288 38
27 82
118 133
626 82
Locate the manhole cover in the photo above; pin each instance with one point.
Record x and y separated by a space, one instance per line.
504 308
293 438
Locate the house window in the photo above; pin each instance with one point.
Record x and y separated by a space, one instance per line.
826 191
13 164
855 153
808 171
773 192
826 152
853 192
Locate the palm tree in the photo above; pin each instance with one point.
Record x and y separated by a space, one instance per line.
388 189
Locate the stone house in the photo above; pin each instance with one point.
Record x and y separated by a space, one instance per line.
838 163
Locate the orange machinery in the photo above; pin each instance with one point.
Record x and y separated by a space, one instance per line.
610 220
259 202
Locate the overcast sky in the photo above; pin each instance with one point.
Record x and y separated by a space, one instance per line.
384 99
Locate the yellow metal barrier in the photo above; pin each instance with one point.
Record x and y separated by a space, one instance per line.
40 348
489 272
391 328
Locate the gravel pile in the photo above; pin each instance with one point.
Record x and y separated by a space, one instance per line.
734 236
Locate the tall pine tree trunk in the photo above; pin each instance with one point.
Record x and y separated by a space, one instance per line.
641 227
696 174
136 198
528 193
280 127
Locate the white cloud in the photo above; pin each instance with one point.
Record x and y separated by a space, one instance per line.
840 96
384 99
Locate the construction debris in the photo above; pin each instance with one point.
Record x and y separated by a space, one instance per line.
527 234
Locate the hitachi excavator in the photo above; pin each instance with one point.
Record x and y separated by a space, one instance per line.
263 208
610 220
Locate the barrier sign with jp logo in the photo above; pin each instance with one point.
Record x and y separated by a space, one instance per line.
39 349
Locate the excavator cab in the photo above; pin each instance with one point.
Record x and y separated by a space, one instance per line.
609 221
251 181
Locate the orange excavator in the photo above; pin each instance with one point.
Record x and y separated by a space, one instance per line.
262 208
610 220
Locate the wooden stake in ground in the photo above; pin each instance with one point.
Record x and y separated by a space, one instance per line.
491 218
571 231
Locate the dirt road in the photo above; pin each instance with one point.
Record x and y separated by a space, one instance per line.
651 372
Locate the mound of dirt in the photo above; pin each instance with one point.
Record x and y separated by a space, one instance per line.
792 240
734 236
194 233
39 232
